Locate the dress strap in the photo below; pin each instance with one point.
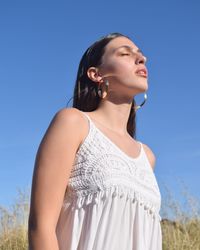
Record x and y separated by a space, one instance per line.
141 146
87 116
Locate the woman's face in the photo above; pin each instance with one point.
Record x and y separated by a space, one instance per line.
121 60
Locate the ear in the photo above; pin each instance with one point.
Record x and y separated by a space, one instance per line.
94 74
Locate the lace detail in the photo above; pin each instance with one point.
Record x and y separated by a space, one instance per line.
76 202
101 170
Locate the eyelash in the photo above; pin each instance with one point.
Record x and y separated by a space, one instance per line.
125 54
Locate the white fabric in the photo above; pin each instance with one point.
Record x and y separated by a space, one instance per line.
112 200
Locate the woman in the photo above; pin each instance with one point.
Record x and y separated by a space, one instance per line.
93 185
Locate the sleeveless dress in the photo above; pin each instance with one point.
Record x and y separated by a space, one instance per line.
112 200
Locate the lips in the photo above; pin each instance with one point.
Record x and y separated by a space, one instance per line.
142 72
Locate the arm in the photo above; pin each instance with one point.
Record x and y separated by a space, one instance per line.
150 155
52 169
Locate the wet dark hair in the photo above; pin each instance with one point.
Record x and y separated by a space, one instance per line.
85 96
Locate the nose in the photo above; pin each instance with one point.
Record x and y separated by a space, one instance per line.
141 59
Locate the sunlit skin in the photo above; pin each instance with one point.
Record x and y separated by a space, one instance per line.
119 63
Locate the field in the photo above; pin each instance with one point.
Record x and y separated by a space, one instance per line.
180 228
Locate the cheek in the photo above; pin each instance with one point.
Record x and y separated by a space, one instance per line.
120 67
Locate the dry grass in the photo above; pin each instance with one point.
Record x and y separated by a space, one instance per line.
180 228
14 224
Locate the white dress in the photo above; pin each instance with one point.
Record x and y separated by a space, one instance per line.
112 200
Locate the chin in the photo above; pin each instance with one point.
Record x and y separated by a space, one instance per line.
143 88
140 90
142 85
146 88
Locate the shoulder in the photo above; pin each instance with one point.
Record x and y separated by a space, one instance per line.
67 114
150 155
66 119
69 117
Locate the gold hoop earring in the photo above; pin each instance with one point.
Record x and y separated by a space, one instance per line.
139 106
103 95
99 91
105 92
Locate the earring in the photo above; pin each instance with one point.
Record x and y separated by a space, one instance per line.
100 90
106 92
139 106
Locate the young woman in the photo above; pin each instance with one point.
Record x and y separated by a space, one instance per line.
93 185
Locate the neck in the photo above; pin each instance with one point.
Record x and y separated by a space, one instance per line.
114 116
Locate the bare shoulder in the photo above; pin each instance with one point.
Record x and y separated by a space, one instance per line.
68 114
65 126
73 119
151 156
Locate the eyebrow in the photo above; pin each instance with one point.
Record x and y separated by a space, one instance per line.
127 47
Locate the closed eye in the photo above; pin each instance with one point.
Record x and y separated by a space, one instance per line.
125 54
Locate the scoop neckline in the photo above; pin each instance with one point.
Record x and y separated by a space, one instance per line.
114 144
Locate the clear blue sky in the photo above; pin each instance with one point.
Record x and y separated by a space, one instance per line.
40 47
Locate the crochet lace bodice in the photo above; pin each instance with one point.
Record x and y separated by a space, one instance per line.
101 169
